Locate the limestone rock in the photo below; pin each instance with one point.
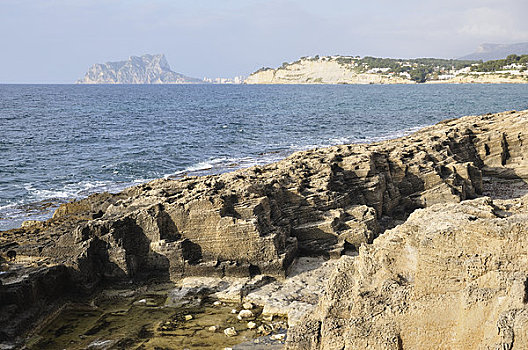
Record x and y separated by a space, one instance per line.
230 332
245 314
278 336
453 276
248 306
298 294
146 69
326 202
350 70
324 70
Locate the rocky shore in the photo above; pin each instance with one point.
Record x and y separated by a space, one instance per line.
413 243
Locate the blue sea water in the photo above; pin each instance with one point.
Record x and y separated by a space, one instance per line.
59 142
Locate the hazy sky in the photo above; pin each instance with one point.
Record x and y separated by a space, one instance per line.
57 40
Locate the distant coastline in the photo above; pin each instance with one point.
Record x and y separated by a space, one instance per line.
372 70
154 69
146 69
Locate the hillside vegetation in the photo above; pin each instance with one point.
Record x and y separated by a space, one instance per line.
510 62
369 70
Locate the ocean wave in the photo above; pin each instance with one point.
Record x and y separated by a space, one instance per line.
278 152
395 134
73 191
39 203
8 206
224 164
344 140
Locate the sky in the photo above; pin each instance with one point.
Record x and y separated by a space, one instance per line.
56 41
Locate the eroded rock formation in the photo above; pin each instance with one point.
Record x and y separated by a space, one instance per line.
352 70
327 70
323 202
453 276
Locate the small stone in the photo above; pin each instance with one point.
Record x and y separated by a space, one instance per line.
278 337
245 314
264 330
230 332
248 306
234 311
212 329
251 325
217 303
188 317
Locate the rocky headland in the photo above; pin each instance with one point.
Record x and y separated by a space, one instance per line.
373 70
322 70
146 69
413 243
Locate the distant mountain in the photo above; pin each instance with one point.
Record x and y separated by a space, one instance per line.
488 52
147 69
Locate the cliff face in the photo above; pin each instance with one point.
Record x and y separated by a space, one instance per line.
371 70
147 69
489 78
453 276
325 202
320 71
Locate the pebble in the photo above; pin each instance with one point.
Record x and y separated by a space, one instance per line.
212 329
230 332
146 302
251 325
278 337
234 311
217 303
248 306
264 330
188 317
245 314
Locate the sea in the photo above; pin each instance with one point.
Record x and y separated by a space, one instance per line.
64 142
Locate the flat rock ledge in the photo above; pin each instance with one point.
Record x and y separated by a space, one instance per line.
292 297
329 203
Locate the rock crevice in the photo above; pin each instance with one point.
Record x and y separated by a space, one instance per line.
324 202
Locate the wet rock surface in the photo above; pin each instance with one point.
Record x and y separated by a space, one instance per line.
140 319
251 224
